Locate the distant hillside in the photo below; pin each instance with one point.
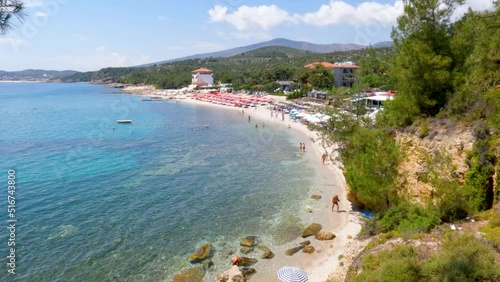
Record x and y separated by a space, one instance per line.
300 45
35 74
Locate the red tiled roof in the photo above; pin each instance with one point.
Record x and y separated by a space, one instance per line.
330 65
202 70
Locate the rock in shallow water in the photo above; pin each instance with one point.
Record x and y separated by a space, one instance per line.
267 255
316 197
292 251
201 254
311 230
194 274
249 241
247 272
305 243
244 261
246 250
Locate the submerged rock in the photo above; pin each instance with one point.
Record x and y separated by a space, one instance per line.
325 235
263 247
244 261
267 255
292 251
308 249
207 264
246 250
311 230
247 272
249 241
194 274
316 197
305 243
201 254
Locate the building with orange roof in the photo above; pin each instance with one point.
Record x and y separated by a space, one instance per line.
343 72
202 77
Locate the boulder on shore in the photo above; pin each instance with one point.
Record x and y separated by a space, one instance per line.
311 230
201 254
325 235
194 274
308 249
231 275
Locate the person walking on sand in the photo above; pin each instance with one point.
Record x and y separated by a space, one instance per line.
301 146
335 201
323 157
248 118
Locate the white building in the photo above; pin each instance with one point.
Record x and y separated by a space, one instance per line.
202 77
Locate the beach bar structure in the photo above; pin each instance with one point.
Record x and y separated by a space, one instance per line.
202 77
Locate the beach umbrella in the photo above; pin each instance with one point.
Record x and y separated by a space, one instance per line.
292 274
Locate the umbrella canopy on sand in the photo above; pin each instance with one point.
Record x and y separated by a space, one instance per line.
292 274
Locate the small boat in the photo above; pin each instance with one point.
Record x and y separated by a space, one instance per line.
124 121
147 98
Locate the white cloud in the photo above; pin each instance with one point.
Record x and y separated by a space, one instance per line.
257 17
100 49
366 13
41 14
476 5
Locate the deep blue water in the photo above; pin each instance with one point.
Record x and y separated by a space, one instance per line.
101 201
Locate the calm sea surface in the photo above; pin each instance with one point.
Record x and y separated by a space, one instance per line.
101 201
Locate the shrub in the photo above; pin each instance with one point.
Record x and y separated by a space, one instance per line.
399 264
462 258
406 218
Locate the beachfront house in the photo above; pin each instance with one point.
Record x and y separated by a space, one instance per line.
202 77
316 94
343 72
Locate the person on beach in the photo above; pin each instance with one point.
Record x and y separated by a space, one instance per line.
289 126
248 118
301 146
323 157
236 260
256 126
335 201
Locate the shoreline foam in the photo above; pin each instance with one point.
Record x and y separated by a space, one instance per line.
324 263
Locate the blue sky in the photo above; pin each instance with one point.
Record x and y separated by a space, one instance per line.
89 34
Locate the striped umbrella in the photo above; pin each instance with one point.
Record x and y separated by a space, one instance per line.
292 274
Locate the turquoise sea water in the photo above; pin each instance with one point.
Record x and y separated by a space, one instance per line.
101 201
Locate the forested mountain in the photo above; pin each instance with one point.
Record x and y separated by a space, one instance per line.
260 66
281 42
34 74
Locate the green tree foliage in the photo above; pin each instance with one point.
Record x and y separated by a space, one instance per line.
479 178
422 64
319 77
370 157
10 9
476 50
461 258
374 70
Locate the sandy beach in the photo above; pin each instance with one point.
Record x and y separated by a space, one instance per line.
331 258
